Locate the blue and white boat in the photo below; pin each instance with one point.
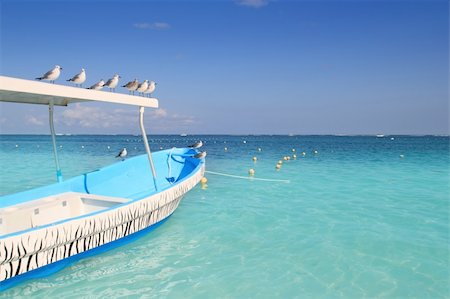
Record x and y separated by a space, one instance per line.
44 229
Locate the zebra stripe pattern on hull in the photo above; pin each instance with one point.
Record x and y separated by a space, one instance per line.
40 247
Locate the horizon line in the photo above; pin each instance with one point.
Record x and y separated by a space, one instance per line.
226 134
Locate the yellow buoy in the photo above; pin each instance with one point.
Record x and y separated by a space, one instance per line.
280 162
226 148
251 172
278 167
254 159
315 152
293 150
294 156
288 158
259 149
303 154
203 181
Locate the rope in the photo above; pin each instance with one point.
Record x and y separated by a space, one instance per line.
247 178
168 164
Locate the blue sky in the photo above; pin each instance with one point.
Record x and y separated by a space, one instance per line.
238 67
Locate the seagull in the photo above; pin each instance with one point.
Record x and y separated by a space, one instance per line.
201 155
122 154
112 83
51 75
142 87
79 78
97 86
196 145
132 85
151 88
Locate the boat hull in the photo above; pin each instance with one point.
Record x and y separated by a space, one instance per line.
25 252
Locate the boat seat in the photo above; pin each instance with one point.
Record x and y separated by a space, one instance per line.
52 209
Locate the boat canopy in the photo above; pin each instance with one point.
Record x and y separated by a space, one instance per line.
32 92
35 92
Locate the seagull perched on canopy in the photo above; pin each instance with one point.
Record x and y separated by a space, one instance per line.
122 154
97 86
132 86
51 75
112 83
142 87
151 88
79 78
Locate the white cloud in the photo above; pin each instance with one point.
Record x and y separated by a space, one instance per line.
32 120
90 117
159 113
253 3
154 26
119 120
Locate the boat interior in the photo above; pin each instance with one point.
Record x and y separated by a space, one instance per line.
95 191
53 208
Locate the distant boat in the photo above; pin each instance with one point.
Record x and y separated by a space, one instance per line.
380 135
183 135
45 229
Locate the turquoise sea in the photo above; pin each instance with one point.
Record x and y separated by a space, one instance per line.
364 217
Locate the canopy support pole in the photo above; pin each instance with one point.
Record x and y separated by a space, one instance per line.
147 147
52 131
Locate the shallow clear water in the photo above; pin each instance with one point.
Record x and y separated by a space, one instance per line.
356 220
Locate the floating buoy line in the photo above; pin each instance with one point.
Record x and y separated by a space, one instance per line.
247 178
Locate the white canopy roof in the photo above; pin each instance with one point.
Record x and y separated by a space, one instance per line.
36 92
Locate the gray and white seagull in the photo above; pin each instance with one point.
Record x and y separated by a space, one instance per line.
97 86
112 83
142 87
79 79
132 86
122 154
198 144
51 75
151 88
